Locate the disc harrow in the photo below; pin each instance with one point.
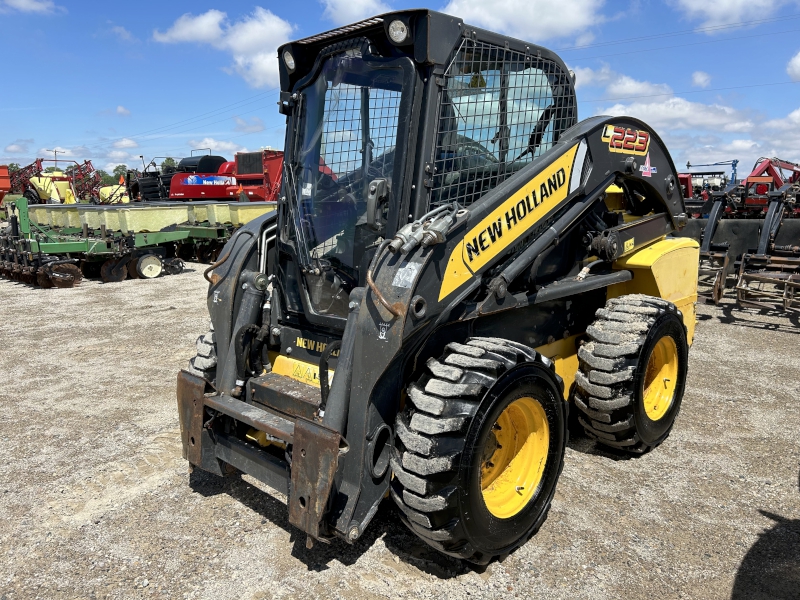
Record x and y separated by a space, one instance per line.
749 232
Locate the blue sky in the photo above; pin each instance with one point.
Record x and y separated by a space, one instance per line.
112 80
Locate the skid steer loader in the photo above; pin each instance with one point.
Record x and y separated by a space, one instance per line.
445 278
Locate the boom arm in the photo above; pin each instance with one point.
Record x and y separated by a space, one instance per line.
549 197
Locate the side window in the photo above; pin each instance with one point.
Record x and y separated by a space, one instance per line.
499 110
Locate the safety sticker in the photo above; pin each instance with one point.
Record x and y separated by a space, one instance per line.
404 278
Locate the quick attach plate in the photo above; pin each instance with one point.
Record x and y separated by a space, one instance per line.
315 457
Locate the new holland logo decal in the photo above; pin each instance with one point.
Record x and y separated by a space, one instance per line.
510 221
626 141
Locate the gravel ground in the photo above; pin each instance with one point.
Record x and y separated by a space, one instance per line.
96 501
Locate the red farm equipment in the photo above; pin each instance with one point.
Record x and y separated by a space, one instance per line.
258 174
251 177
752 230
5 182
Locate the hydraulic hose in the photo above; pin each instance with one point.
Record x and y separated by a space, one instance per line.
371 283
242 352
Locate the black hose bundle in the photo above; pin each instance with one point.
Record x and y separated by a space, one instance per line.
248 352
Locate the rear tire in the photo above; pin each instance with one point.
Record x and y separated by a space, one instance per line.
632 373
204 363
479 448
32 196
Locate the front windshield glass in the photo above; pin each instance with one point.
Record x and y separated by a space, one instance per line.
351 113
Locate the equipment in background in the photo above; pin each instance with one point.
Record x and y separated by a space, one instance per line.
209 177
258 174
456 263
752 232
77 182
58 245
5 183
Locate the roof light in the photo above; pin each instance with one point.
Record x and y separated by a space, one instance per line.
289 60
398 31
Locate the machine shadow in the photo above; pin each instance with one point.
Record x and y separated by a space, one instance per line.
386 524
732 315
771 568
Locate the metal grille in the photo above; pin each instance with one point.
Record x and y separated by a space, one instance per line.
499 110
343 144
345 150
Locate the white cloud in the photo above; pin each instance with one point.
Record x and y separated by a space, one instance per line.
121 110
628 87
681 114
122 33
343 12
793 67
618 85
253 125
791 122
118 155
125 143
701 79
726 12
205 28
217 145
252 41
49 151
19 146
31 6
588 77
531 20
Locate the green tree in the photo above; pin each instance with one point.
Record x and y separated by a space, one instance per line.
12 167
119 171
106 178
168 162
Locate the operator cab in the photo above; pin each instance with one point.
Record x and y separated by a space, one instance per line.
377 136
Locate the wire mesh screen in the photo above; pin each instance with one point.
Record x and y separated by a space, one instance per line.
499 110
344 147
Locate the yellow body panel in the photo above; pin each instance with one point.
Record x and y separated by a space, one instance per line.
198 212
218 213
299 370
37 213
244 212
114 194
564 353
151 218
55 192
90 216
59 214
666 269
112 219
509 222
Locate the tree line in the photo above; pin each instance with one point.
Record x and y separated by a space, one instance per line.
107 178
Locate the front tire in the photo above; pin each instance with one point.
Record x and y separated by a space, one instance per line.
204 363
479 448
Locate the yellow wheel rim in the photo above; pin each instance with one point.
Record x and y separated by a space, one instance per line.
660 379
514 457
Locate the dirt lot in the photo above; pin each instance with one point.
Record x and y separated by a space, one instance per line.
95 500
